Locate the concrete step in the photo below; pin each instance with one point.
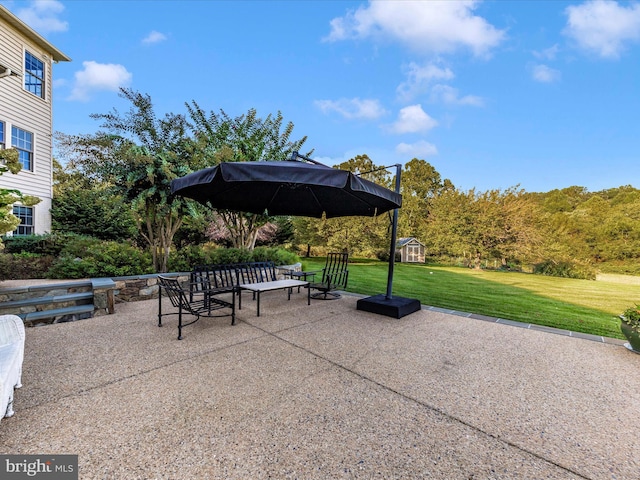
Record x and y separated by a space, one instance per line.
57 312
70 297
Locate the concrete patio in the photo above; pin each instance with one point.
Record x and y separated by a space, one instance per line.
325 391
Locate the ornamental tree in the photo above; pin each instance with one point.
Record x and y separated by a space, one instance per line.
9 162
136 155
245 138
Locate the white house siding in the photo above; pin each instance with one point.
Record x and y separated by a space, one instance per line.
23 109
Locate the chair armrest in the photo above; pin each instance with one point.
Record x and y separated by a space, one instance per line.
337 275
205 287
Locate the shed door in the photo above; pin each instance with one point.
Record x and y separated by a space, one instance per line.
413 253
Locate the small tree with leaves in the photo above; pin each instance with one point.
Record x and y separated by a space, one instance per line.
136 155
9 162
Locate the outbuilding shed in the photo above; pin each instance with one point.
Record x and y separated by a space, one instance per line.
410 250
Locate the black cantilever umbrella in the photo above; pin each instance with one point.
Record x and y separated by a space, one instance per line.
301 189
286 188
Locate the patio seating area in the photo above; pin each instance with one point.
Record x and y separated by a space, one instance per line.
325 391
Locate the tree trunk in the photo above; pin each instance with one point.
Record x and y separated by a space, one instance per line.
478 261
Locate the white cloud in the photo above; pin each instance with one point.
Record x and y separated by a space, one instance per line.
424 26
368 109
42 16
419 149
603 26
548 53
545 74
419 78
448 94
154 37
98 76
413 119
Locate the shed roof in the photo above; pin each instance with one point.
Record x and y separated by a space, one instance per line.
406 240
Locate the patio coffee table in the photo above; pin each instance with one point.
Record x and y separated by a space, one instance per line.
260 287
292 274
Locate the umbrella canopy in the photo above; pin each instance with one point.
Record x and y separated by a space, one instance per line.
286 188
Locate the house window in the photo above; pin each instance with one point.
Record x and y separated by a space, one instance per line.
2 144
25 214
33 75
23 141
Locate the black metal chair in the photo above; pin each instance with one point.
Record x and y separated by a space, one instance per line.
334 277
199 300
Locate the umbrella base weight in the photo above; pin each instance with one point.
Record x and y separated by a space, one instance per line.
396 307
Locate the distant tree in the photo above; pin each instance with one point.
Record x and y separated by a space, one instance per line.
365 236
284 231
421 183
511 229
451 228
481 225
308 232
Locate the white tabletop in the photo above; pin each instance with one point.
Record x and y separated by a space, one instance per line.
265 286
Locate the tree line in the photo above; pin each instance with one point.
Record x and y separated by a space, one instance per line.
114 184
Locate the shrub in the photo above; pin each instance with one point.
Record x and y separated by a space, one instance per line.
47 244
103 259
382 255
184 259
229 255
78 245
23 266
93 212
279 256
565 269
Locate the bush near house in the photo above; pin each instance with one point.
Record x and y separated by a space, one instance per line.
23 266
71 256
186 258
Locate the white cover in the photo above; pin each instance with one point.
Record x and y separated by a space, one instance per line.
11 356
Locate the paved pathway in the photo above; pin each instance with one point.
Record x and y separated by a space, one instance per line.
325 391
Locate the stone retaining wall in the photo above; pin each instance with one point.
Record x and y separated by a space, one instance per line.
145 287
107 293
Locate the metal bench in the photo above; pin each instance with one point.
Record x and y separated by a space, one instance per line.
256 277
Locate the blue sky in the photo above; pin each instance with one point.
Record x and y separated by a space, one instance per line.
541 94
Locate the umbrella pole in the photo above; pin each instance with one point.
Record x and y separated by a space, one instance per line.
394 233
382 304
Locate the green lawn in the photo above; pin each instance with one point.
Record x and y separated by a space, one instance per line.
578 305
